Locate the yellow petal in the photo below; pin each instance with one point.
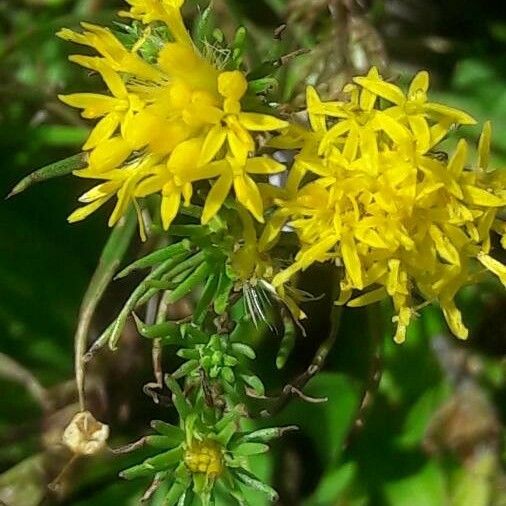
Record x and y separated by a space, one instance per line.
125 196
369 147
439 131
213 143
198 114
351 145
314 109
232 84
449 112
175 22
112 79
454 319
403 319
351 261
368 298
419 84
150 185
94 105
137 129
100 191
271 230
459 158
187 193
185 156
370 237
317 252
263 165
337 130
181 61
484 145
444 246
209 171
392 285
248 195
394 129
109 154
261 122
477 196
83 212
171 199
283 276
494 266
238 147
102 131
421 132
216 197
382 89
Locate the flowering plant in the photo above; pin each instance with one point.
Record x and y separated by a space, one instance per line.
235 196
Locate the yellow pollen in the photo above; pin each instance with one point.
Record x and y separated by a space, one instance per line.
204 457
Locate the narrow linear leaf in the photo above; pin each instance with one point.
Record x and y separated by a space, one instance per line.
251 481
247 449
157 257
175 434
190 283
57 169
266 435
111 257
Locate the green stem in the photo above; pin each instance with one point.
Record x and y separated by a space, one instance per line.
111 257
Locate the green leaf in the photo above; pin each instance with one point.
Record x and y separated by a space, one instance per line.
174 433
266 435
251 481
333 484
247 449
161 442
57 169
287 342
157 257
225 286
164 460
427 487
204 28
175 493
255 383
206 298
421 413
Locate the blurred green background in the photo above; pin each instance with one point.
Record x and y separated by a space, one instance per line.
419 424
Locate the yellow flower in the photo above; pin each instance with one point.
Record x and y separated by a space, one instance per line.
120 182
429 121
398 220
167 11
205 457
174 179
113 110
165 120
231 124
234 172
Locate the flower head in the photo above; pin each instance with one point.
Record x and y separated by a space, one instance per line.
197 455
402 222
167 121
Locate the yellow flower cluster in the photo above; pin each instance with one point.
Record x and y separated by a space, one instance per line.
368 192
167 124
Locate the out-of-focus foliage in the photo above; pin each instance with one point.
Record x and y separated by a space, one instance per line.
418 424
